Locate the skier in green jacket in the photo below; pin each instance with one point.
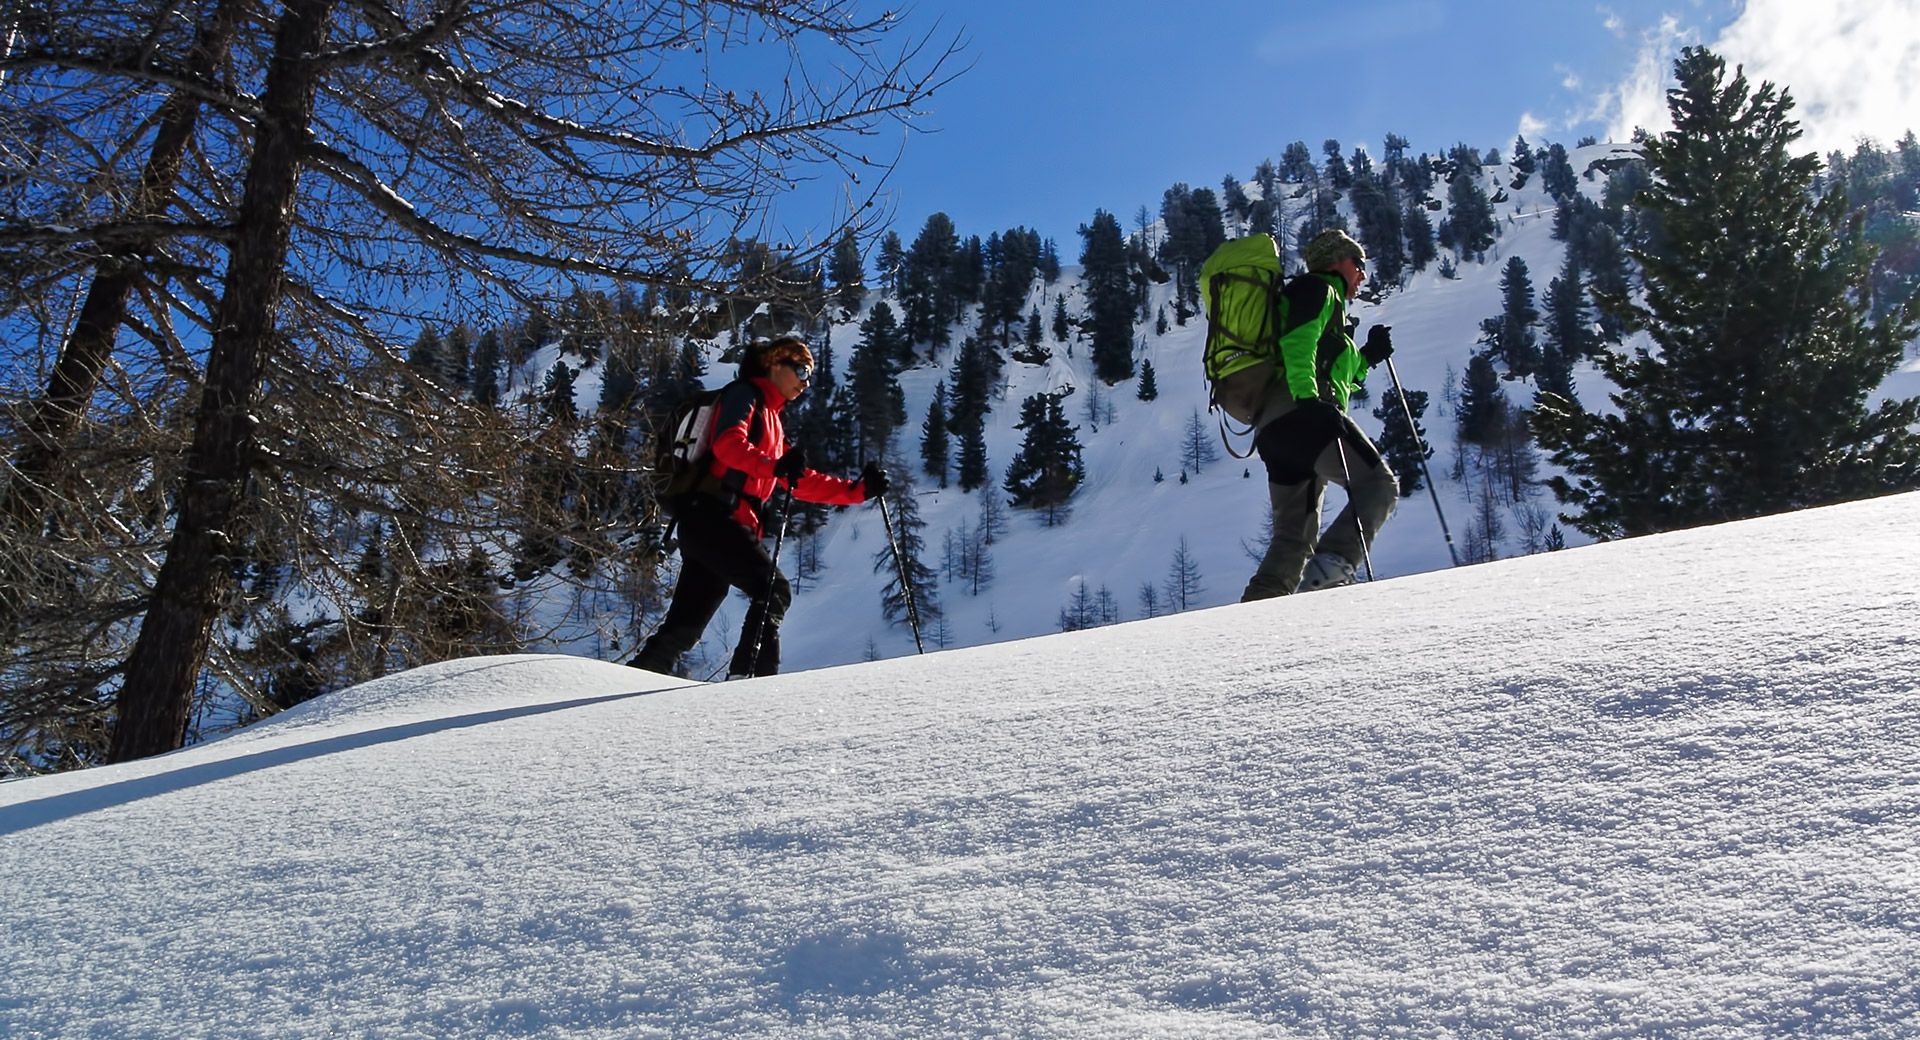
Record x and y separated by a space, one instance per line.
1306 439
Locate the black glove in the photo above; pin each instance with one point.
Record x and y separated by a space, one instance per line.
1379 345
1316 413
788 467
874 482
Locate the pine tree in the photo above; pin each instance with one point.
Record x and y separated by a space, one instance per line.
1510 336
1109 298
1482 402
1469 227
1404 447
970 388
1148 388
880 408
1183 585
1079 612
972 468
1756 399
1419 229
1048 468
934 443
911 545
927 282
893 259
556 394
849 274
1558 176
485 372
1196 445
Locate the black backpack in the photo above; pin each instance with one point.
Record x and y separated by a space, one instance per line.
683 454
683 457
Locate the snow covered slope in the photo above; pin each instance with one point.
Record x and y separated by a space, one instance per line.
1658 787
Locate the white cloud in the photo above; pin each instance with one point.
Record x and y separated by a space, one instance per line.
1640 100
1852 67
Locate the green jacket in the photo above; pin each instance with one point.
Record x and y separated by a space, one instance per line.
1318 357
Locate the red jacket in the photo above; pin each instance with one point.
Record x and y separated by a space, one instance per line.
749 437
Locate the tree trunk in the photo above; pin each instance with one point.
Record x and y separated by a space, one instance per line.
158 692
84 356
41 455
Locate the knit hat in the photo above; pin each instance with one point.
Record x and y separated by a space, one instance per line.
762 356
1329 248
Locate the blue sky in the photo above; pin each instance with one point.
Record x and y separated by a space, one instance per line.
1072 106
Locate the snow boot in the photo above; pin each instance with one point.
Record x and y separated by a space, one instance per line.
1325 571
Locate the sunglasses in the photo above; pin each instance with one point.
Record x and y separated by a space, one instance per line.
801 369
1360 265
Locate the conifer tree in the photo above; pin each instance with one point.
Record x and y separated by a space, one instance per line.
893 259
848 273
927 281
1558 176
1109 297
1510 336
1196 445
1048 467
1296 164
873 378
1148 388
934 443
1759 306
970 387
485 371
1403 446
911 545
556 394
1183 585
1419 230
972 469
1469 227
1483 402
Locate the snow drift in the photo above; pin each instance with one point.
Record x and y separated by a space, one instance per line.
1650 787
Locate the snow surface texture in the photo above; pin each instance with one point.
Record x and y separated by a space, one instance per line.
1659 787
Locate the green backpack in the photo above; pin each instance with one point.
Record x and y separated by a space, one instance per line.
1240 284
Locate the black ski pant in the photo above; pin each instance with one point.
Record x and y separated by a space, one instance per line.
717 554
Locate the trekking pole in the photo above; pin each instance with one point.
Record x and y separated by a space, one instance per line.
1421 453
1366 552
773 578
906 584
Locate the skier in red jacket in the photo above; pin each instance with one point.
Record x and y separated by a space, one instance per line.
719 522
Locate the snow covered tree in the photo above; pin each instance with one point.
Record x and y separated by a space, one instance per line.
1754 399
